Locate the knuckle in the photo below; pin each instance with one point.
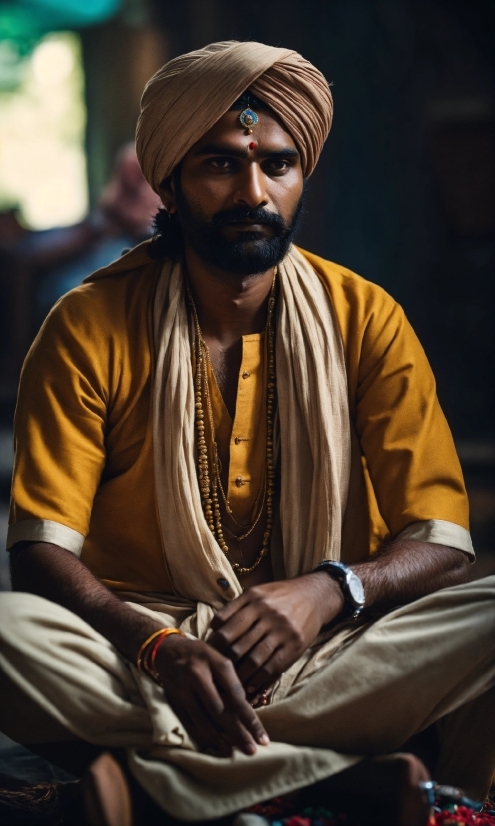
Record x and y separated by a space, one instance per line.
225 666
237 701
237 651
221 638
265 674
215 707
256 592
253 661
199 671
259 655
196 669
238 692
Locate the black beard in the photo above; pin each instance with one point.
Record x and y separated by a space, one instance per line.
254 254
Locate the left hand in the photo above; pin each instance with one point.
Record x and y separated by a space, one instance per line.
269 627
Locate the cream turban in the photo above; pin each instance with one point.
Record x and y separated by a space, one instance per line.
189 94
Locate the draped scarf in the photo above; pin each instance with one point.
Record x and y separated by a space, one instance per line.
313 436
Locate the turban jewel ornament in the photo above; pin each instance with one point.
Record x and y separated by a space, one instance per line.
187 96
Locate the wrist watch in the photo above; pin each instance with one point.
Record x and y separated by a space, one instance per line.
351 585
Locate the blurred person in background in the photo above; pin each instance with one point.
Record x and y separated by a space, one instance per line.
38 267
239 530
63 257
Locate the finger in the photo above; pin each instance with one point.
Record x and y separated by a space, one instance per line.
237 733
203 730
256 658
205 689
228 610
224 674
237 625
243 644
268 673
195 719
226 727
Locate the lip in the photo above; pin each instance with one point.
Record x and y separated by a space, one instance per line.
248 225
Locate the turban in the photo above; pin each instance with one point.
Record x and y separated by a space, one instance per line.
187 96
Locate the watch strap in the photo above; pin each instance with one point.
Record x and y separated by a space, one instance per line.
339 572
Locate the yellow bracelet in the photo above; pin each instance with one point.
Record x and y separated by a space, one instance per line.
163 631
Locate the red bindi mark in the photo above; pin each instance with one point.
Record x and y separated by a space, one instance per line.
252 145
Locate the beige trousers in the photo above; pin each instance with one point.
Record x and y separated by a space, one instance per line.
362 689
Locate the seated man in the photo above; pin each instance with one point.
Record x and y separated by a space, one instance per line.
239 530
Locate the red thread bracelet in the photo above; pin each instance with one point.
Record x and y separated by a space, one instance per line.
151 658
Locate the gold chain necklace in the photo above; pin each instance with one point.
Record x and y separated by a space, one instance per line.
209 480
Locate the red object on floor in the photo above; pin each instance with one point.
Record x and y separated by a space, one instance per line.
460 817
280 814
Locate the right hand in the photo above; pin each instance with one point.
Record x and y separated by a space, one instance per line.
205 692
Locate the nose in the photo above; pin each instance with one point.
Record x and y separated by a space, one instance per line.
251 190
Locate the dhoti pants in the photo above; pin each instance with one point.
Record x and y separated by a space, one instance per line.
364 688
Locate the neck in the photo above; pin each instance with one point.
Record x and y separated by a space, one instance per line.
228 306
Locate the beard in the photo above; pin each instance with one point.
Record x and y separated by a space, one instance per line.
254 253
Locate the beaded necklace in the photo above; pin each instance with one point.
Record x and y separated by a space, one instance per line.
209 466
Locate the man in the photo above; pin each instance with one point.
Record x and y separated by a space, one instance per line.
204 429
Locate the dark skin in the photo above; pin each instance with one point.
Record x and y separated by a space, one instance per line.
259 635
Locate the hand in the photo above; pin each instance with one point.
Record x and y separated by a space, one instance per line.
266 630
206 694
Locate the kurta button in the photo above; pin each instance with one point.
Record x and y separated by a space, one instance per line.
246 375
237 440
224 583
239 481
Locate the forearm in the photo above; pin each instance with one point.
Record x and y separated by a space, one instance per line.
58 575
406 570
398 574
194 676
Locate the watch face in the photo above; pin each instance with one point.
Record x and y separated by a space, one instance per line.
356 589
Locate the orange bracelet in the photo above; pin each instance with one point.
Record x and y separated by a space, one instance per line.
140 663
150 664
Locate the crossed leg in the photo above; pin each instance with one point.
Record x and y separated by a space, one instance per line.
427 662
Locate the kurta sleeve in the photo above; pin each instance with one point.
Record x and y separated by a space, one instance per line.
407 445
60 422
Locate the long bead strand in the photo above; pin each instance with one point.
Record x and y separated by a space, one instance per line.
210 482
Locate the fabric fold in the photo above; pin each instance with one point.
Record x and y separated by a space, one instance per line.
188 95
313 432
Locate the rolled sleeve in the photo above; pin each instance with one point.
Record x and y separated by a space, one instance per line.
44 530
440 532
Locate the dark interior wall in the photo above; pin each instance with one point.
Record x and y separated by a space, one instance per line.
403 193
119 57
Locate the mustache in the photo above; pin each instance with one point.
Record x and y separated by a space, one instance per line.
241 215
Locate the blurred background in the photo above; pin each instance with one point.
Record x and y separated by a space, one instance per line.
404 192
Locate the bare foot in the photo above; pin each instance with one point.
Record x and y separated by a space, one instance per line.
380 791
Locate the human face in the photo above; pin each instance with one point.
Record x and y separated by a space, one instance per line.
239 195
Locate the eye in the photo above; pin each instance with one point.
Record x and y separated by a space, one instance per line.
278 166
224 164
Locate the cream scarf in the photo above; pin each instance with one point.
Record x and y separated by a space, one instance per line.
314 435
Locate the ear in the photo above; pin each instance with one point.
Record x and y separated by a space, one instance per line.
167 195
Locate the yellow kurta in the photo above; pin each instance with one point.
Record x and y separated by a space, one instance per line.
243 439
83 432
